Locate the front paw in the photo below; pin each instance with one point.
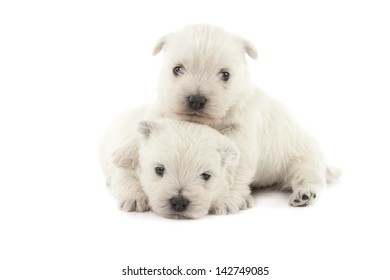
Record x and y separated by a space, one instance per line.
232 206
218 209
303 197
138 204
247 203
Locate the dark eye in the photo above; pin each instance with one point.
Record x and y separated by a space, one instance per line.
160 170
178 70
205 176
225 76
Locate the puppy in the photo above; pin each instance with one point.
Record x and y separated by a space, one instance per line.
205 80
176 168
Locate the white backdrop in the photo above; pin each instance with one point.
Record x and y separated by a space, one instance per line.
67 68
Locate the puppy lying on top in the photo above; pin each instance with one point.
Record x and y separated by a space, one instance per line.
178 169
205 80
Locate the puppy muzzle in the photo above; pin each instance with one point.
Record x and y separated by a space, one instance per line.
179 203
196 102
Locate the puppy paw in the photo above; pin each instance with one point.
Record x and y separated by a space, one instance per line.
139 204
303 197
218 210
224 208
231 207
247 203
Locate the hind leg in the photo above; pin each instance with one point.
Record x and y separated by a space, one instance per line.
306 183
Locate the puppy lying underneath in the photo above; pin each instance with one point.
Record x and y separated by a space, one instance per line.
178 169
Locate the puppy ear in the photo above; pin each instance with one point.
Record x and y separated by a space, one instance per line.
147 127
229 154
126 156
250 49
159 45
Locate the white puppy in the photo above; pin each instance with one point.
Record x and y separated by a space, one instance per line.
205 80
178 169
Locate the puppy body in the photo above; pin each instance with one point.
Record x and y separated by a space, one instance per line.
274 149
118 154
196 161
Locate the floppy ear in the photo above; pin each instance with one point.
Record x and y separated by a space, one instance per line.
229 154
147 127
126 156
250 49
159 45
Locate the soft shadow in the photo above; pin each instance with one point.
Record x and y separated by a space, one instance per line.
270 197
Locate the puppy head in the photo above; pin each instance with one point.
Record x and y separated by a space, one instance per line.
182 166
204 72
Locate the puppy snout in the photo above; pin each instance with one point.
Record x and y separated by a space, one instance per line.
196 102
179 203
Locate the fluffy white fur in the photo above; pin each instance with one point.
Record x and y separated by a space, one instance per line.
130 152
274 148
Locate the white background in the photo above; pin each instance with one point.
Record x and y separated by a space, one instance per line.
67 68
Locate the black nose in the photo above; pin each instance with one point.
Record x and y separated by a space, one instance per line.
197 102
179 203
